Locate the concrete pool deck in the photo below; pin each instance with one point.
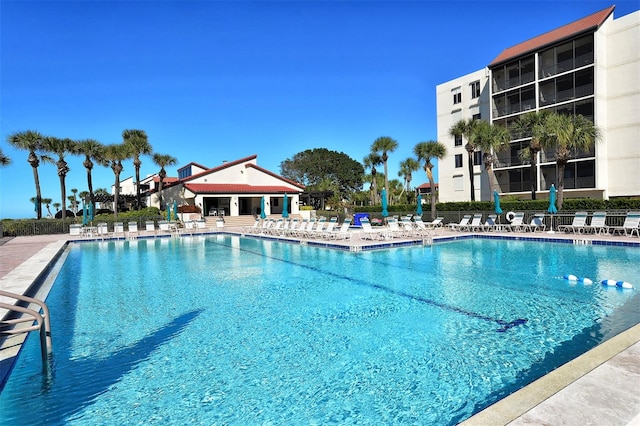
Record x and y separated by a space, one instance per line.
600 387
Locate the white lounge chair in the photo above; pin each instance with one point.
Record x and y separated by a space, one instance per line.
517 223
219 223
474 225
150 227
463 222
118 229
368 233
598 223
164 226
132 228
103 229
537 223
75 229
577 225
490 223
630 225
341 234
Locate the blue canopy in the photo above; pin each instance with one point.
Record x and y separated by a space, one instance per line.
496 200
285 206
383 195
552 200
419 209
263 215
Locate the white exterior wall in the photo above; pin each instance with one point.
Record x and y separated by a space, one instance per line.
621 122
454 182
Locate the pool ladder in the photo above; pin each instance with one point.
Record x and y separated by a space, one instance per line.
22 320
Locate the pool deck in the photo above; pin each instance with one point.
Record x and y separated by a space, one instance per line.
597 388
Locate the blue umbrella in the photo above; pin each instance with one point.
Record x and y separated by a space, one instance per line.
285 206
168 212
385 212
419 209
496 200
175 210
263 215
90 211
552 200
84 213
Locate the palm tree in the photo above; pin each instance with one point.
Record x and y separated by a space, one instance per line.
407 167
46 202
490 140
384 144
114 155
92 150
61 147
570 133
163 160
370 162
4 159
425 151
31 141
138 144
532 125
469 130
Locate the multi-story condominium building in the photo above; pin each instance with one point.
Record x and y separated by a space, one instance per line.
589 67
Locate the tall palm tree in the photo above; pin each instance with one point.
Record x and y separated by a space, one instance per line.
468 129
31 141
407 167
163 160
491 139
138 144
370 162
92 150
114 155
384 145
532 125
425 151
571 133
4 159
61 147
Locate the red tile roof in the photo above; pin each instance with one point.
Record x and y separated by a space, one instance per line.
588 23
234 188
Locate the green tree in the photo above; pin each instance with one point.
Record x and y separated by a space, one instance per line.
571 134
138 144
32 142
407 167
92 150
114 155
426 151
314 166
468 129
61 147
46 202
4 159
491 139
532 126
383 145
163 160
370 162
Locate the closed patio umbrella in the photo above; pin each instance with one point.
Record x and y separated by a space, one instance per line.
84 213
90 211
419 209
175 210
496 200
552 200
263 215
285 206
383 195
169 212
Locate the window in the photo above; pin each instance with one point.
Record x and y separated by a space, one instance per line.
457 140
477 158
475 89
458 160
457 95
476 117
458 183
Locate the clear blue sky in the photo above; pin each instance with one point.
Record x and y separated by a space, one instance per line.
213 80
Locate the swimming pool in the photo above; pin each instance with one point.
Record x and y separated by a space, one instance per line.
226 330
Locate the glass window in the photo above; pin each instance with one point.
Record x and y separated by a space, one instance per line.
475 89
477 158
458 160
476 116
457 98
457 140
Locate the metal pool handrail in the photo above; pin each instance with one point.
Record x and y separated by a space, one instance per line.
42 321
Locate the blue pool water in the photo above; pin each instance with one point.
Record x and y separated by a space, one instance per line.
225 330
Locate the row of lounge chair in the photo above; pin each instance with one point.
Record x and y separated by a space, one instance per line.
306 228
474 223
599 226
404 227
101 230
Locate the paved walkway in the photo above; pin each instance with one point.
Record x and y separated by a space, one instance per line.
600 387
